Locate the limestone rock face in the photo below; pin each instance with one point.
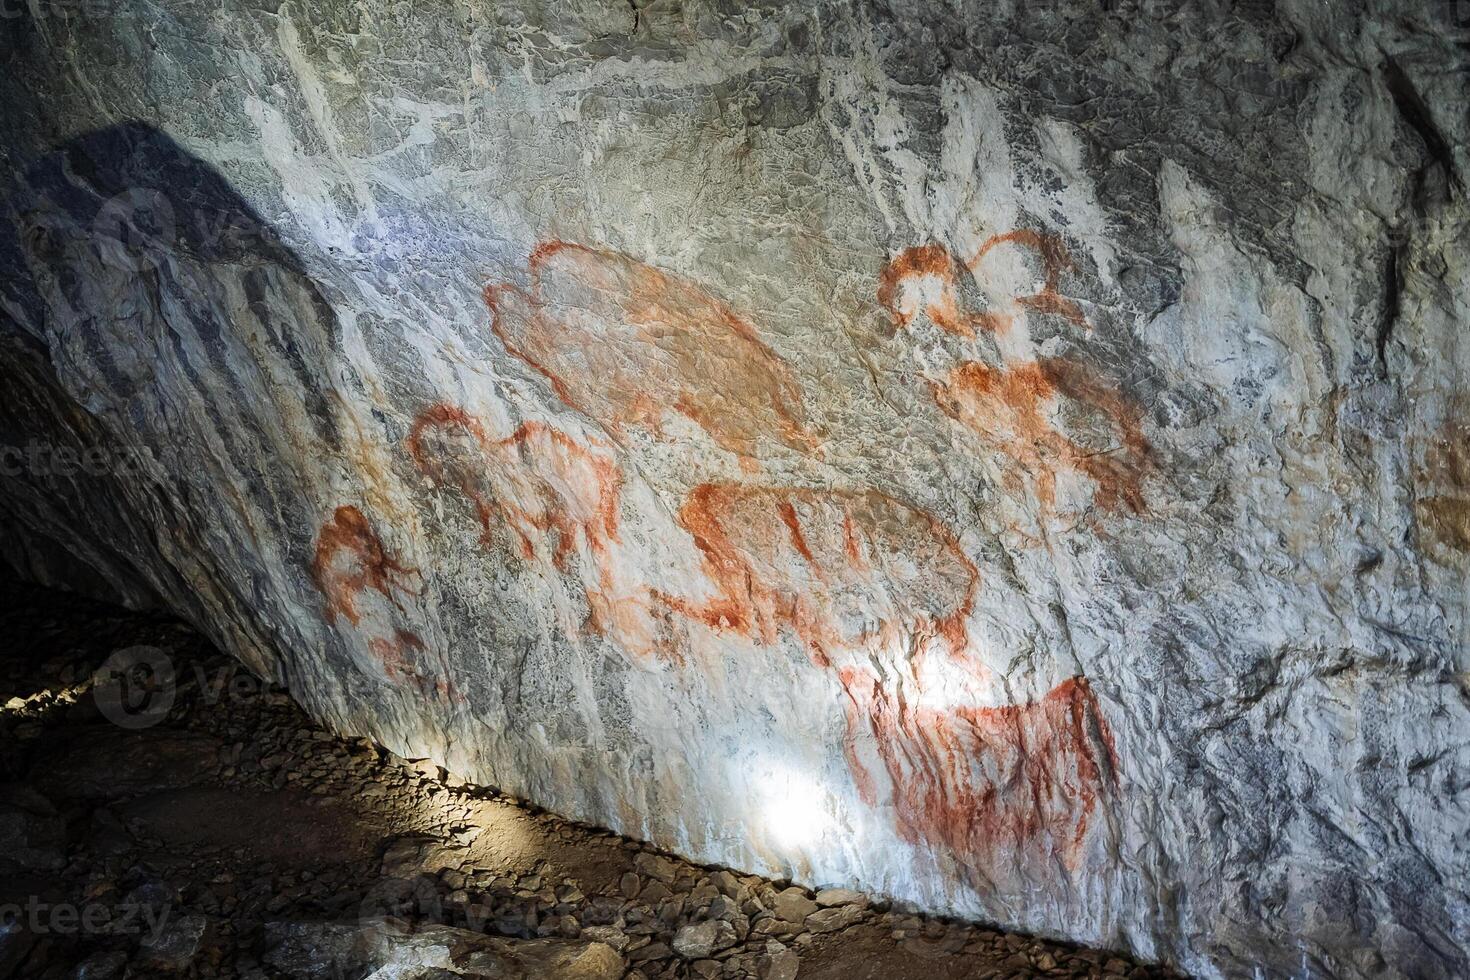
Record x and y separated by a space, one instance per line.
1011 458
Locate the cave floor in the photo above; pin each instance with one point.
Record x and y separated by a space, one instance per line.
230 836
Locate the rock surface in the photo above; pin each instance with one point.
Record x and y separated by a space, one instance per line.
393 950
270 849
1009 458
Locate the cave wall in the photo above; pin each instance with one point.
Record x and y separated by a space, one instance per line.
1007 457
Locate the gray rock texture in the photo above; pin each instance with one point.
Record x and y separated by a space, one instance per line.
1007 457
388 949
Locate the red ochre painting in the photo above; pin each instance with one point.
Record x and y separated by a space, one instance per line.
1011 409
995 787
556 500
366 587
862 579
1442 482
845 571
1055 259
625 343
878 593
925 279
538 483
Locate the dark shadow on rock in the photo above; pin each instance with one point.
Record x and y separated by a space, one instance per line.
111 243
141 192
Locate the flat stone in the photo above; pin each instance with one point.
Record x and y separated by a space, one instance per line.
610 935
783 964
833 919
723 907
702 939
408 856
775 927
175 944
729 884
323 951
829 897
654 892
656 866
652 951
101 966
792 905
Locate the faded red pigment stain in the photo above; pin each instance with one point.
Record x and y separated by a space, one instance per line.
557 500
401 657
365 586
846 572
990 785
397 653
1054 261
1442 491
625 342
926 278
1009 407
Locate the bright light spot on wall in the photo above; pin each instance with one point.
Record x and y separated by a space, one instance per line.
943 681
797 810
